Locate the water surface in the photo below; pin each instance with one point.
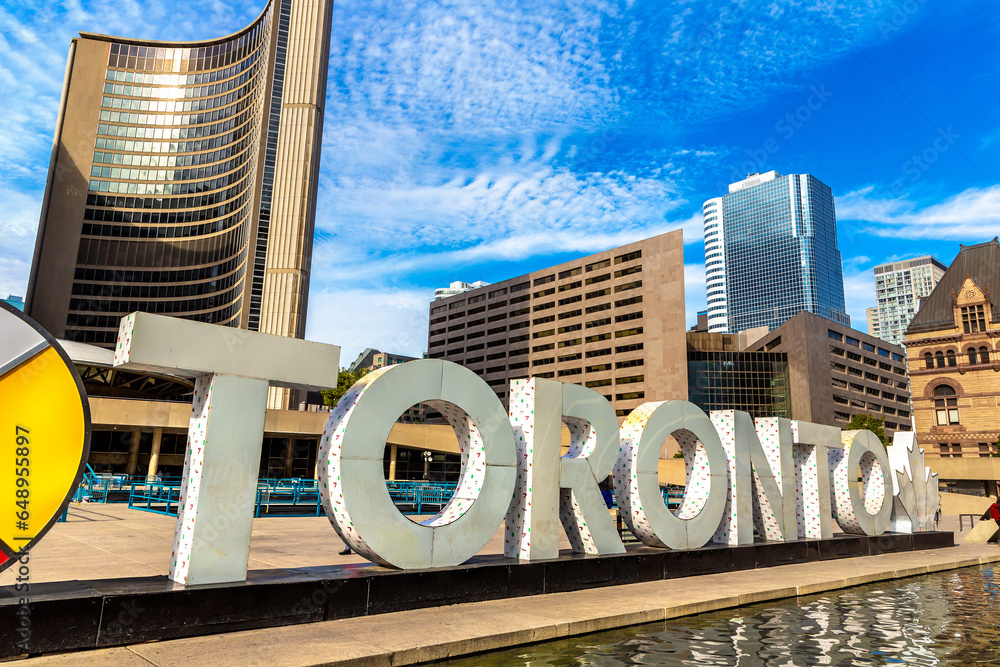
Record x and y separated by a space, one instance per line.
949 618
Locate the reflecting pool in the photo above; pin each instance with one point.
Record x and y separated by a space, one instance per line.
949 618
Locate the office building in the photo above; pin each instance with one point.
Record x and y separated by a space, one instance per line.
372 359
457 287
722 375
771 252
899 288
613 321
15 301
183 179
953 347
836 372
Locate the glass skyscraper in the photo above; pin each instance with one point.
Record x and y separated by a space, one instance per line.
771 252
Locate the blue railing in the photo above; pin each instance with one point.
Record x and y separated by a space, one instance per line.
414 497
158 497
288 497
285 497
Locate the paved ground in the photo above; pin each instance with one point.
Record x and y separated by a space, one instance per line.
431 634
111 541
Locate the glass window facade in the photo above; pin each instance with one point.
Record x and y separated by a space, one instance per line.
172 182
780 253
755 382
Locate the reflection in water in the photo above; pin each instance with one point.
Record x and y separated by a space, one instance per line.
939 619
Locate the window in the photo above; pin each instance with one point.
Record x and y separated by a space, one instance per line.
598 383
519 287
598 279
928 360
630 396
973 319
598 353
852 341
569 286
628 316
545 292
946 405
868 347
628 332
629 256
569 300
571 272
939 359
627 272
984 355
543 280
972 356
599 265
628 286
628 302
599 367
952 359
571 313
834 335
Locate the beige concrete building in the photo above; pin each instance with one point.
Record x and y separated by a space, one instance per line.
613 321
836 372
953 347
183 179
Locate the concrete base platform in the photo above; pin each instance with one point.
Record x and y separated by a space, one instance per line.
75 615
410 637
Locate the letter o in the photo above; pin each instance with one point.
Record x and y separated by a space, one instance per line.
352 481
637 487
867 511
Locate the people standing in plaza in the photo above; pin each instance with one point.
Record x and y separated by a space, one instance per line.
995 515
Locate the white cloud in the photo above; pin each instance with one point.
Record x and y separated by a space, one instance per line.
971 216
391 320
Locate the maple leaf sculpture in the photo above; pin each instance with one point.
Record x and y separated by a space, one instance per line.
914 487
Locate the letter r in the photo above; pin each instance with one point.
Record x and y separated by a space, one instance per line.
550 488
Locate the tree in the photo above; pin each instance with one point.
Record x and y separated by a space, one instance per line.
868 422
345 380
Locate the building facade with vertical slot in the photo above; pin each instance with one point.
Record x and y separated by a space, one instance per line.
183 178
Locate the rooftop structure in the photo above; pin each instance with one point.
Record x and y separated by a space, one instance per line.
457 287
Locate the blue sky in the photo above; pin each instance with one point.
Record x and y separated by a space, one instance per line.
480 140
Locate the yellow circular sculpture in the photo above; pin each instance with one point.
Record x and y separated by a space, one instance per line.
44 433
